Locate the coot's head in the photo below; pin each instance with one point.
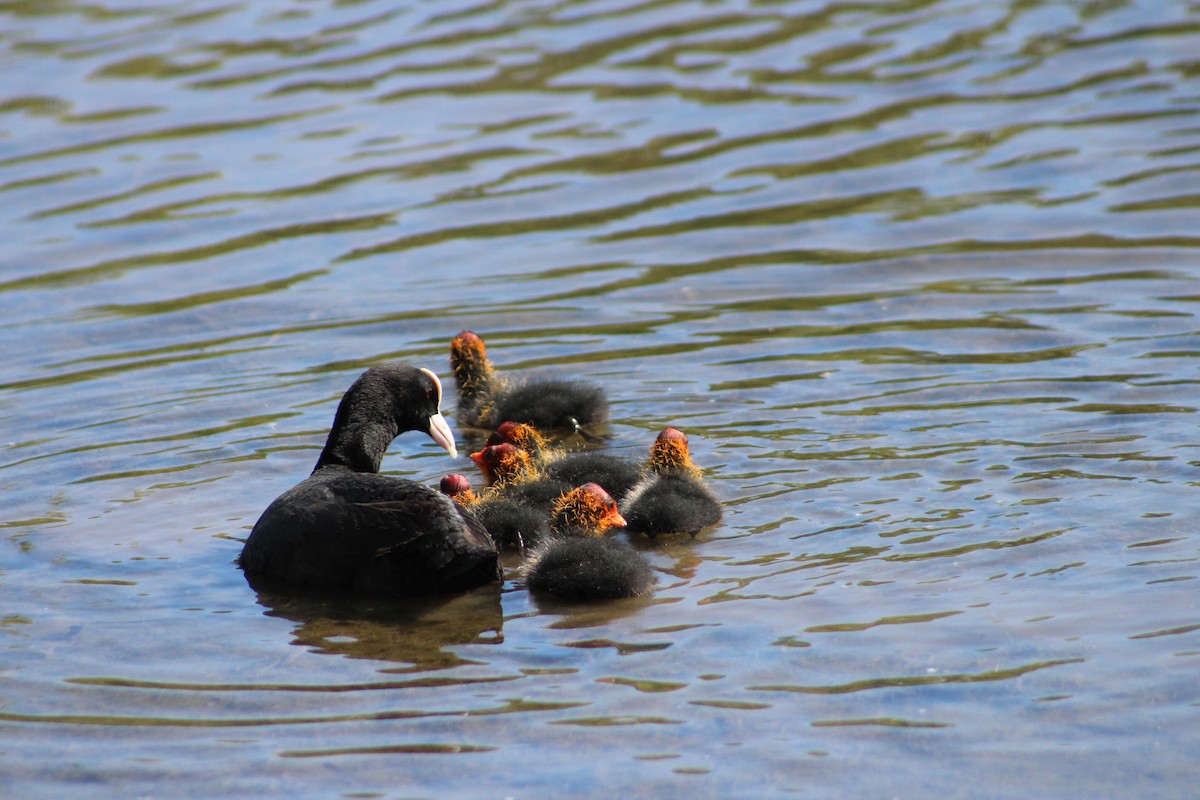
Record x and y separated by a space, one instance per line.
503 463
416 403
669 453
381 404
586 510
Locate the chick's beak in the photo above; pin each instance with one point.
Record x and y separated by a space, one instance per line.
439 431
615 519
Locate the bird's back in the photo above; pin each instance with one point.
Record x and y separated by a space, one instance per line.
372 533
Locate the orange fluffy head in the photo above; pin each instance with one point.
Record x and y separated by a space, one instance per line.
469 362
503 463
669 453
468 344
521 435
588 510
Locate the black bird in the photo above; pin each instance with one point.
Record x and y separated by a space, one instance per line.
512 520
347 527
578 562
513 473
485 399
672 497
617 474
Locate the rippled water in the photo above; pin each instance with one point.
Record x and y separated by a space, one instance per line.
919 278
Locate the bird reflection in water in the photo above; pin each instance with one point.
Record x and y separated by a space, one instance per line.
410 630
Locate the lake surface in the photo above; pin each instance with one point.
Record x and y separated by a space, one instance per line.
919 279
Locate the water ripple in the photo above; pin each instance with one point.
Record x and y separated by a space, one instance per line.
917 277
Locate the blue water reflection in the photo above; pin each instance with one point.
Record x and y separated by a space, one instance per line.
918 280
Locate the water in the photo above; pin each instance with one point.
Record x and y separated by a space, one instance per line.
918 278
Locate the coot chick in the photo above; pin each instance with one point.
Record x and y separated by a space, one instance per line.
457 487
617 474
524 436
511 472
511 521
347 527
672 498
578 563
485 399
505 463
586 510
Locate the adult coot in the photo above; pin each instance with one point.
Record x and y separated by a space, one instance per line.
346 526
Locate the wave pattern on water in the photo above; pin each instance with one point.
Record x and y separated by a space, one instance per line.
918 277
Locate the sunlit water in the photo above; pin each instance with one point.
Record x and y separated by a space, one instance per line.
919 279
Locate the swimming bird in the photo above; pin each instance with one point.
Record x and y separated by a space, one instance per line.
346 526
511 520
485 399
513 472
617 474
672 497
578 562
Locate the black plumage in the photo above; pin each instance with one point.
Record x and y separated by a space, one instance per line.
588 568
538 493
577 562
549 404
617 474
346 527
485 399
670 504
513 523
672 497
516 518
